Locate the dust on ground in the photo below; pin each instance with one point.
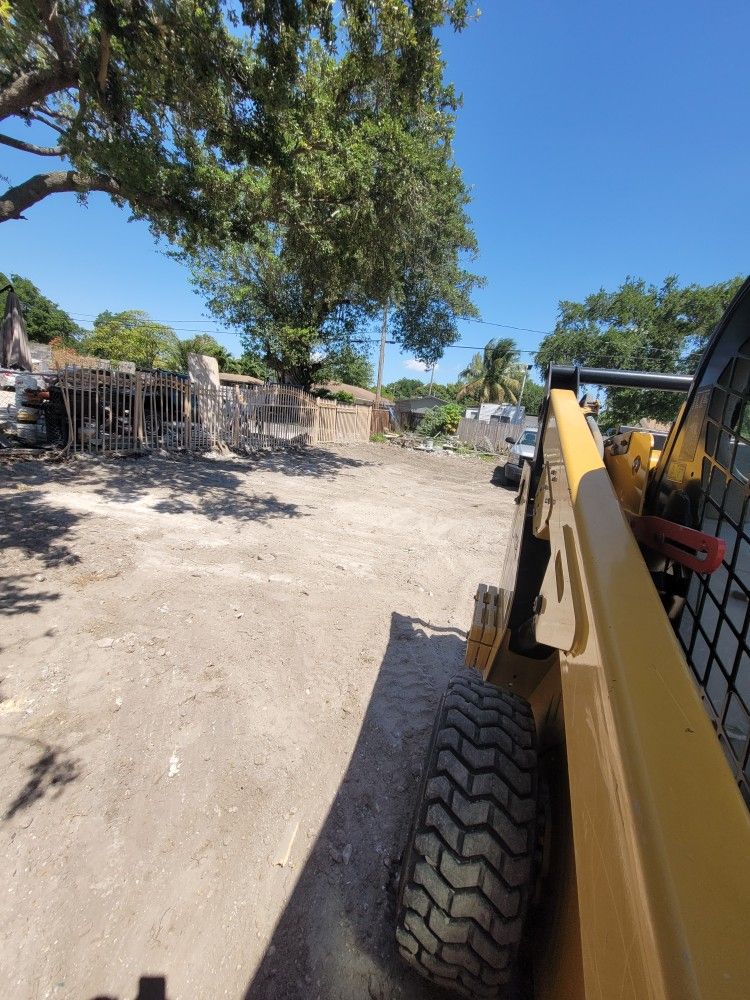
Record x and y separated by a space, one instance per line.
218 679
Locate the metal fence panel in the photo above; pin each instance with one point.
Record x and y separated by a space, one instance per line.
116 411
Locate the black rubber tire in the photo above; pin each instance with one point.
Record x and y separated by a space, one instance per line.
468 871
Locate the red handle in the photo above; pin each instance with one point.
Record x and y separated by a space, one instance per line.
694 549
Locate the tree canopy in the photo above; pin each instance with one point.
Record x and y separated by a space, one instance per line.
375 218
650 328
533 396
348 366
45 320
133 336
200 117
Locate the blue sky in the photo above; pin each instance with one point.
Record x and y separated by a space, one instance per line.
599 139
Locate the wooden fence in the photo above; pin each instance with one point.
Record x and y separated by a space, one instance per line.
342 423
488 435
380 420
118 411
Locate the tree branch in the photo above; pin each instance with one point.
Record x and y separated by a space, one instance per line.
104 51
29 88
39 118
48 12
29 147
35 189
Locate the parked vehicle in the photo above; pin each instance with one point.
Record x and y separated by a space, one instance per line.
522 451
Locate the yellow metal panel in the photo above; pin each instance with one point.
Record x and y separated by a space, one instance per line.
661 834
628 462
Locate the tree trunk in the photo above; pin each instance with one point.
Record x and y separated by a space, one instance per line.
35 189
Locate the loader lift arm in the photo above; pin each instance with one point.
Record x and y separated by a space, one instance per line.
614 623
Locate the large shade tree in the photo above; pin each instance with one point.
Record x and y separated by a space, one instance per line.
197 115
652 328
375 218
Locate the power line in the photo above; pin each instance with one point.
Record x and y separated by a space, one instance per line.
506 326
197 326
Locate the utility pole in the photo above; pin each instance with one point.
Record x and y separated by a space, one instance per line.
432 376
526 371
383 335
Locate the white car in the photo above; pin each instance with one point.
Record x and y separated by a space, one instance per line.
522 451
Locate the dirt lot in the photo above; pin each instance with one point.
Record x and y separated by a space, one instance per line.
204 662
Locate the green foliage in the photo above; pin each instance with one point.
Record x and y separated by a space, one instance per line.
493 376
287 323
642 327
533 396
133 336
204 343
405 388
343 397
210 119
349 366
45 320
368 211
250 364
441 420
378 438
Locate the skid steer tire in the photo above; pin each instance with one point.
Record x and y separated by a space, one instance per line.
468 869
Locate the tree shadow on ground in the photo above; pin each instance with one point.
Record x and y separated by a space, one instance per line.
211 489
335 938
178 483
308 462
215 489
47 775
37 530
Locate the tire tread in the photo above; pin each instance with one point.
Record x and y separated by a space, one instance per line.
468 870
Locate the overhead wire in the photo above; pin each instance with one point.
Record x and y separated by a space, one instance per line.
633 359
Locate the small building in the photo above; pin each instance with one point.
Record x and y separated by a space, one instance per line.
410 411
508 413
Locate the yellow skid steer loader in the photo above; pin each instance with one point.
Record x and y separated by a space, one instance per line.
582 829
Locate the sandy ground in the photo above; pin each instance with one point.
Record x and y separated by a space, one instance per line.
218 680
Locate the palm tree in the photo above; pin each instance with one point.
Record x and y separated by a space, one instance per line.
493 377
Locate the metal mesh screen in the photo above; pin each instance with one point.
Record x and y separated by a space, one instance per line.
714 624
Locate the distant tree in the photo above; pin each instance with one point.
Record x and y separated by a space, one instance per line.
645 327
45 320
405 388
133 336
533 396
493 376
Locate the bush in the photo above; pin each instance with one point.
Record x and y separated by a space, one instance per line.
344 397
441 420
378 438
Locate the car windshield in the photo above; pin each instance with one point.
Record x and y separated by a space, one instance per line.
528 438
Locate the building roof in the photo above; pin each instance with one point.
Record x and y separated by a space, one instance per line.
227 378
415 404
361 395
